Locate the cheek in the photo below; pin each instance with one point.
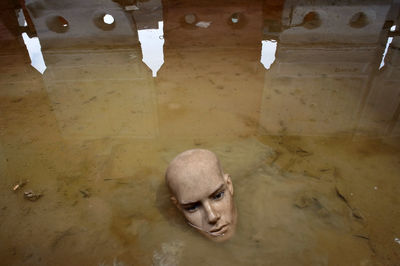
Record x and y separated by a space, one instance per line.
224 206
194 218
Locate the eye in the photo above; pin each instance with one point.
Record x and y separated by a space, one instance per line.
192 208
219 195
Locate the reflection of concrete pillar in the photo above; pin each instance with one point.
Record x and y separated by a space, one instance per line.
14 56
101 93
325 57
272 17
104 93
80 24
25 115
393 67
211 81
148 14
393 57
11 42
381 111
381 106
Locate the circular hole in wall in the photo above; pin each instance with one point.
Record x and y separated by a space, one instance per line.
190 19
104 21
237 20
108 19
57 24
311 20
359 20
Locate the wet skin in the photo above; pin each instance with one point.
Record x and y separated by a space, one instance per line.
203 193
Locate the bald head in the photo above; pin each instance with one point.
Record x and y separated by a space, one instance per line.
203 193
190 168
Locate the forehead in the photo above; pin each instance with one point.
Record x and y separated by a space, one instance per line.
193 188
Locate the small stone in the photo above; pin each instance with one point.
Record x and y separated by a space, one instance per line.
30 195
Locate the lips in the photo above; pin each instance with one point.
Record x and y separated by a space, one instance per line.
220 230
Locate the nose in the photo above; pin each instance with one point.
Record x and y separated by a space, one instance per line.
212 215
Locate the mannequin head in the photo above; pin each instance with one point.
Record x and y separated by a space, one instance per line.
203 193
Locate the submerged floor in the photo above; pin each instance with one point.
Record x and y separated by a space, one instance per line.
311 142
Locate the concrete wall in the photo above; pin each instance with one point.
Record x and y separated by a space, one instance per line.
85 27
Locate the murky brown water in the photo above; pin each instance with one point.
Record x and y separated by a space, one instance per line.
311 142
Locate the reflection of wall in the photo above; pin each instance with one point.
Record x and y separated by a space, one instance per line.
24 105
12 47
332 22
322 70
211 82
95 79
85 26
272 17
221 32
148 15
101 94
310 105
381 113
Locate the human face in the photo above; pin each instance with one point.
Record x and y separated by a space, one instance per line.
208 206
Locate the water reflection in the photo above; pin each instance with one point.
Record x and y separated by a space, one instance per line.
324 70
35 53
152 43
389 41
95 132
268 51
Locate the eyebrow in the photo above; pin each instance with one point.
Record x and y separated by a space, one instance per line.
212 194
221 187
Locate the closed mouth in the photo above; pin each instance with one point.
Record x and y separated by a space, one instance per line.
220 230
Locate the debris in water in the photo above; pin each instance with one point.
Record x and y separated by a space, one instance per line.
340 195
362 236
375 188
85 193
17 100
356 213
20 184
325 170
397 240
203 24
307 173
91 99
30 195
302 152
302 202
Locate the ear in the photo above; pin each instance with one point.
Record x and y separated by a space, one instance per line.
175 202
228 181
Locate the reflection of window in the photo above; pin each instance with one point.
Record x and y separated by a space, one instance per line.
152 43
389 41
34 51
268 53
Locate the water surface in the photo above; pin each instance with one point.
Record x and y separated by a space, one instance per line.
299 99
